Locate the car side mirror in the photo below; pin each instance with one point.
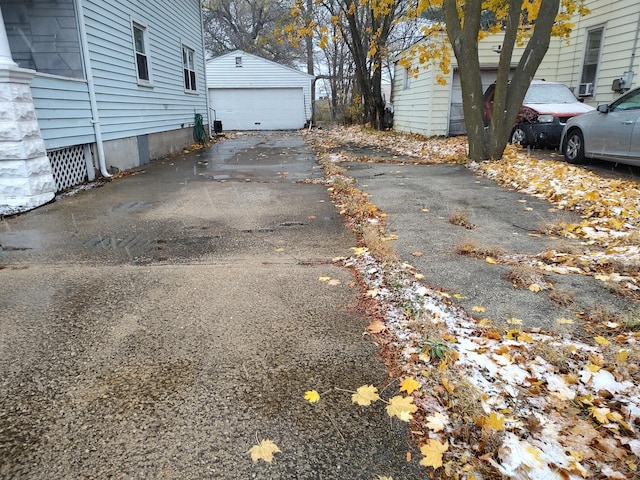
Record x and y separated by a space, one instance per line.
604 108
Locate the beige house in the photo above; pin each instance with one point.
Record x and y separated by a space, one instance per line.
599 63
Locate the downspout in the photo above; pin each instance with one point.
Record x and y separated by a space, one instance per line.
86 60
204 64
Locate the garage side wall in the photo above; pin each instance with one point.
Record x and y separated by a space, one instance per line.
423 106
253 72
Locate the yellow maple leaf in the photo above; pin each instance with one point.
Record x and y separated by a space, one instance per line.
600 414
401 407
312 396
437 422
622 355
410 385
534 287
490 260
280 249
359 250
324 279
493 421
459 296
476 308
601 340
449 387
365 395
432 453
525 337
263 451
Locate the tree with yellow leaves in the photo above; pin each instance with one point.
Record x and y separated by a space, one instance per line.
531 23
452 27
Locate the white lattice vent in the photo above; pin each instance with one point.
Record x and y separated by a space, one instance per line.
69 166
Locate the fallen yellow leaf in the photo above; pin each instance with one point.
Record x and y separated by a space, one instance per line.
432 453
377 326
333 282
476 308
534 287
601 340
437 422
490 260
417 254
263 451
365 395
409 385
324 279
401 407
312 396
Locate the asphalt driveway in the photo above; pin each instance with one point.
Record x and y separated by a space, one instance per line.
163 324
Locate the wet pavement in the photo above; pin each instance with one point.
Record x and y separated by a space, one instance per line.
156 327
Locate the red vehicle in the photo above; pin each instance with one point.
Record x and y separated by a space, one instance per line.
545 110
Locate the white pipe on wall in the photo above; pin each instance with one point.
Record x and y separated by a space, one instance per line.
84 45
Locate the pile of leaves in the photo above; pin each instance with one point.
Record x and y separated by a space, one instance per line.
610 209
520 403
422 149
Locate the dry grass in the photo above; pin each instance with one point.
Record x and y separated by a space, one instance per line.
522 276
380 247
472 248
460 218
564 298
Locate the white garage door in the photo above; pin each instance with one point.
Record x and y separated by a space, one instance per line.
258 108
456 115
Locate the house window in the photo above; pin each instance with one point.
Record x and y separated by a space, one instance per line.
406 79
591 59
140 46
189 68
238 61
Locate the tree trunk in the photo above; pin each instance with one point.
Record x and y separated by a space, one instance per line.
489 141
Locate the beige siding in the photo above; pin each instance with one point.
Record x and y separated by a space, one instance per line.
620 21
416 108
423 106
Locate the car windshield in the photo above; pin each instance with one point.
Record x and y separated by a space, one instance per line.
549 93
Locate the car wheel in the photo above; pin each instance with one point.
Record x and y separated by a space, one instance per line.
519 136
573 147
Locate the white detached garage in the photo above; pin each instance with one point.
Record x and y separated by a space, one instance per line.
247 92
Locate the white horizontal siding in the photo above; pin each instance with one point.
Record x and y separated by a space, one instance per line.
620 21
126 108
256 72
63 111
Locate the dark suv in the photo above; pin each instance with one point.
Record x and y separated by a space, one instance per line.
546 108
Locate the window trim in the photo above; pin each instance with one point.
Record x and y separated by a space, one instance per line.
135 24
587 34
238 61
193 73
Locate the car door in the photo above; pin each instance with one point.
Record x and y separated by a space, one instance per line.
618 127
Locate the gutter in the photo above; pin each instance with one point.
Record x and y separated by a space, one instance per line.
204 65
86 60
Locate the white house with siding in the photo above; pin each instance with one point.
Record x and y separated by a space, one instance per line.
113 84
248 92
602 49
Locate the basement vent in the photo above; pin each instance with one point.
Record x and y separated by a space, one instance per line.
69 166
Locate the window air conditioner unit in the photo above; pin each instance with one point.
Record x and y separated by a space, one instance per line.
585 89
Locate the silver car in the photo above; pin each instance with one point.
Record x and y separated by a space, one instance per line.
611 132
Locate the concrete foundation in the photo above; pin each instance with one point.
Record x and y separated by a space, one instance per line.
134 152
